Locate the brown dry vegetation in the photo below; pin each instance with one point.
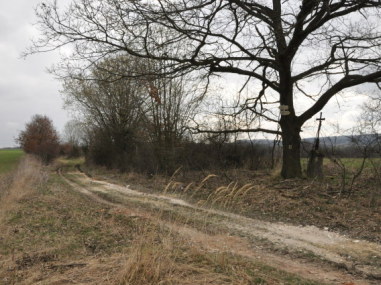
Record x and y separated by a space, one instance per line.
264 195
50 234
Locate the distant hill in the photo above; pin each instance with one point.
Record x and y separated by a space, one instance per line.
333 140
338 141
344 141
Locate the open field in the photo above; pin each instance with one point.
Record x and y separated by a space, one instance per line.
52 233
356 162
349 163
9 159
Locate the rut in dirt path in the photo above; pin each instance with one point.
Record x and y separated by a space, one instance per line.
242 236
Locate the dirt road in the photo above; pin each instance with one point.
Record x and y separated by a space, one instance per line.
320 255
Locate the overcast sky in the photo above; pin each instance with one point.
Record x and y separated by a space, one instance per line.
25 86
27 89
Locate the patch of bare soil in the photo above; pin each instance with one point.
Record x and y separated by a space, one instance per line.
324 255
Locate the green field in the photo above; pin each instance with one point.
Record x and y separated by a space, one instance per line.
9 159
349 163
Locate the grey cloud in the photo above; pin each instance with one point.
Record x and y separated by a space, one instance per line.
25 87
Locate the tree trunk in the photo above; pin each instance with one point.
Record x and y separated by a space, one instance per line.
289 122
315 164
291 166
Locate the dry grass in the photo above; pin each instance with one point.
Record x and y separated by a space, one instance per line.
51 234
230 196
22 183
162 257
264 195
165 262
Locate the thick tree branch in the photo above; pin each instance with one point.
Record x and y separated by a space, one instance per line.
346 82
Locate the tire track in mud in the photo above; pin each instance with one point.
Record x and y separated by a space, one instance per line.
241 233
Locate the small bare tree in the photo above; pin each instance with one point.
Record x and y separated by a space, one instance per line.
368 140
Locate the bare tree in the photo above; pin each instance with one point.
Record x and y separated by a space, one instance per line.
111 104
122 110
74 133
285 47
172 108
74 138
369 121
369 141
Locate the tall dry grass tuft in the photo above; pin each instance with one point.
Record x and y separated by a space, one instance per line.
151 261
226 196
23 182
161 257
5 182
175 186
229 196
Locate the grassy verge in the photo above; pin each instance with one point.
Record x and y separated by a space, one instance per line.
51 234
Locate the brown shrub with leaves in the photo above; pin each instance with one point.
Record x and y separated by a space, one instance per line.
40 138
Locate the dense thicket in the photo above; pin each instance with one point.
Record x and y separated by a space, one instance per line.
130 121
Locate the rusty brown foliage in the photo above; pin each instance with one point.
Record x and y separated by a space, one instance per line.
40 138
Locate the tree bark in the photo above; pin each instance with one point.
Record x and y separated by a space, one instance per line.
291 166
289 122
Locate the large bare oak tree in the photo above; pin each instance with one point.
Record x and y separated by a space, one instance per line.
286 46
